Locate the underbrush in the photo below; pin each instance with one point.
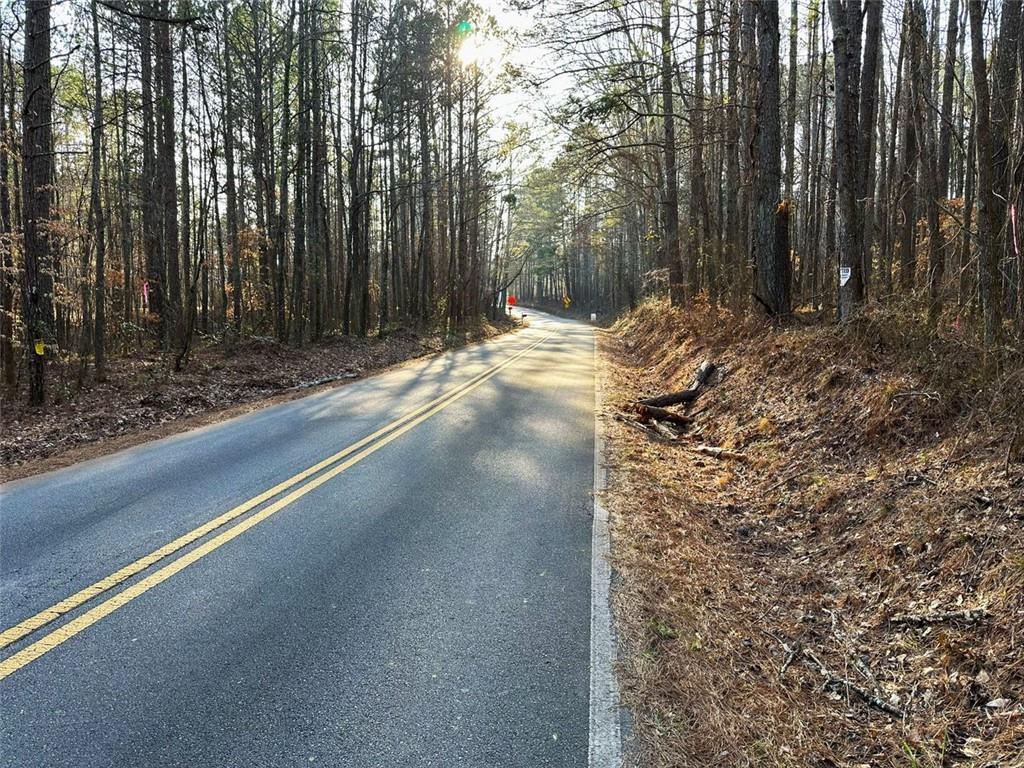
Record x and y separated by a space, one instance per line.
852 592
144 398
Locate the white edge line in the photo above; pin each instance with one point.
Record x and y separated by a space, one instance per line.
605 744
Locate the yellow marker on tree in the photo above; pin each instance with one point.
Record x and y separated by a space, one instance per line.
40 347
566 301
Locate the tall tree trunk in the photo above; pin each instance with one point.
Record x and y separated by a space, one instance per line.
127 245
920 87
948 81
167 176
733 244
301 166
281 217
37 195
988 216
353 291
228 122
748 142
809 153
261 107
794 18
877 227
771 217
699 214
426 255
316 218
156 273
670 247
96 208
7 287
991 126
1004 94
909 151
188 322
867 115
846 29
964 286
894 162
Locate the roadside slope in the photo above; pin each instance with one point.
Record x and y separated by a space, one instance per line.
878 505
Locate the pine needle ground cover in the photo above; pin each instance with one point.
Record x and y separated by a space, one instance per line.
851 591
144 399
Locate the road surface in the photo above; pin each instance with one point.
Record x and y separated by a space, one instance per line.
420 599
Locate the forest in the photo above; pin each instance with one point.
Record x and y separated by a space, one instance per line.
845 154
222 170
297 169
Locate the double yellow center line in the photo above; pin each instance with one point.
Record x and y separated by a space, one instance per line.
337 464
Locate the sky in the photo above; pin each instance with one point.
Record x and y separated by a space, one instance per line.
523 103
492 47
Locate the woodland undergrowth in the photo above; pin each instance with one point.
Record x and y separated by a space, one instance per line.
143 397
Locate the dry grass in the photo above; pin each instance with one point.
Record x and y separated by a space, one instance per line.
876 485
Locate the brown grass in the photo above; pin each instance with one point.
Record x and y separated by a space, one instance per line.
876 485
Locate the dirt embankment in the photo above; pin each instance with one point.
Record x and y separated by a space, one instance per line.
849 592
144 399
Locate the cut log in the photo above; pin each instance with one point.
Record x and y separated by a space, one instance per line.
688 395
663 414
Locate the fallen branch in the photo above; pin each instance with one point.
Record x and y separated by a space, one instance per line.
791 655
849 650
664 430
720 453
687 395
838 684
663 414
916 478
791 652
649 431
934 396
969 616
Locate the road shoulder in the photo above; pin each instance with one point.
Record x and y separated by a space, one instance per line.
607 718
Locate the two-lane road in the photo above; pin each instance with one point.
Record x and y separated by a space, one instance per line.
393 573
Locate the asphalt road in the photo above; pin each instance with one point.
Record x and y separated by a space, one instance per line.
426 605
